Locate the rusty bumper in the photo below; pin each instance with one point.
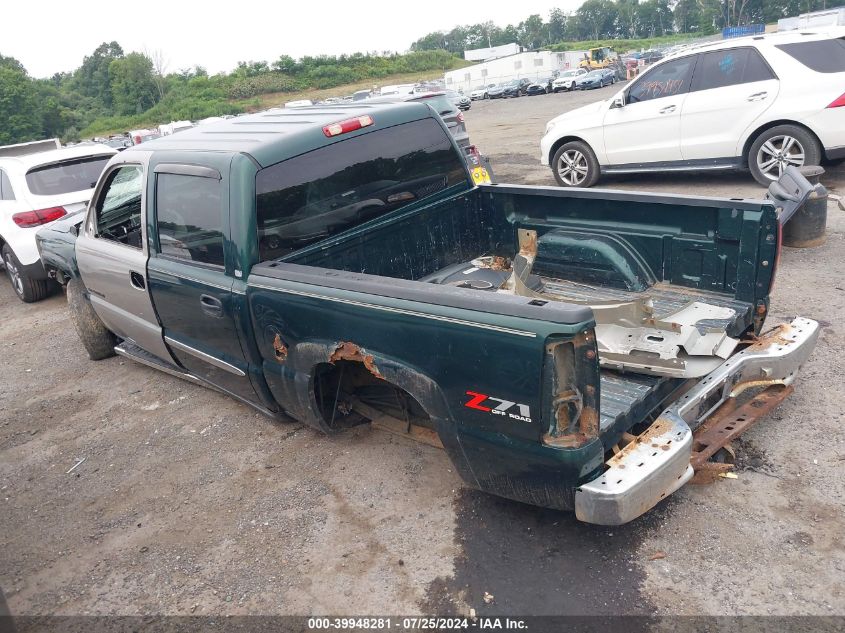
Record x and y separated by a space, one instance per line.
657 462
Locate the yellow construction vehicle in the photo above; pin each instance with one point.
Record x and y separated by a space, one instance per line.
601 57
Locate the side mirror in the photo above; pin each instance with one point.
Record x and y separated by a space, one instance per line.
618 102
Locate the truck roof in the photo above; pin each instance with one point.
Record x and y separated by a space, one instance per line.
281 133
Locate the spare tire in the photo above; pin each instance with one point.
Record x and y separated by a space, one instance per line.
98 341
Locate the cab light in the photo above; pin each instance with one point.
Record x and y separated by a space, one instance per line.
839 102
349 125
27 219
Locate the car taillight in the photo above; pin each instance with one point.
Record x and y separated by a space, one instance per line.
460 117
838 103
349 125
26 219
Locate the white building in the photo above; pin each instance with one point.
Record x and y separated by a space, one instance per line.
494 52
829 17
532 65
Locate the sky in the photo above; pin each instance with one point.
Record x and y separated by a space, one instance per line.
49 36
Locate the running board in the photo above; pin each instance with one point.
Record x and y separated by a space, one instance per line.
128 349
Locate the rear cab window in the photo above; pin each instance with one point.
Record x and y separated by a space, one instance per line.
821 56
305 199
78 174
189 218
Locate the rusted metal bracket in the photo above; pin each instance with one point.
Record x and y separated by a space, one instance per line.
729 422
628 334
385 422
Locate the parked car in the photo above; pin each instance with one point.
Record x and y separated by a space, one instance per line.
596 79
512 88
566 80
41 182
650 57
342 269
461 101
541 86
142 136
442 104
480 92
761 103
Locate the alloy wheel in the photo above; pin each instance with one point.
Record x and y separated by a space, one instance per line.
572 167
778 153
14 275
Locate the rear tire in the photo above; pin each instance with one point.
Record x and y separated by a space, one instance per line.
779 147
575 165
98 341
29 290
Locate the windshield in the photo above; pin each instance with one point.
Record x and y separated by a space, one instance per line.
595 73
570 73
55 179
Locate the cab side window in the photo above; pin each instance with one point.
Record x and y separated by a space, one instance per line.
6 192
731 67
189 214
119 208
666 80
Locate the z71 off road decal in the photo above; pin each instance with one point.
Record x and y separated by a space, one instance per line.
483 402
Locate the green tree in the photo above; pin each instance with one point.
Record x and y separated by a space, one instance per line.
92 78
597 19
133 86
533 33
19 107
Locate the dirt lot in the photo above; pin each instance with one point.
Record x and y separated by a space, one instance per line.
188 502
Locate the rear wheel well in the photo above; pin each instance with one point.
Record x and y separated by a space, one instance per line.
563 141
349 393
768 126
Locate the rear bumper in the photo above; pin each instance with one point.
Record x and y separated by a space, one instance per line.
657 463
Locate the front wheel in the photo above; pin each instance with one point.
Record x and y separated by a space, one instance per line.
575 165
781 147
98 341
26 287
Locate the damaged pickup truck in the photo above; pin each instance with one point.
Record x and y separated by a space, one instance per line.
576 349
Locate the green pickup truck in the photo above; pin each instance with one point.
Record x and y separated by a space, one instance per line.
576 349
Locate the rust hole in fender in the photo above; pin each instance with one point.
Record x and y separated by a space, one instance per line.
353 353
279 348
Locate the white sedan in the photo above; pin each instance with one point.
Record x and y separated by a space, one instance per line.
760 103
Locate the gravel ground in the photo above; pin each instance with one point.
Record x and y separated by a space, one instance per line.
189 502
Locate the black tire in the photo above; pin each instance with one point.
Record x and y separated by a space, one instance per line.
98 341
590 161
29 290
804 143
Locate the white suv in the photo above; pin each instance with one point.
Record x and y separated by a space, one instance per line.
762 103
566 80
41 182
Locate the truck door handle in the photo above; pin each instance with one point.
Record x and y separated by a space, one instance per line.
137 280
758 96
212 306
667 109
